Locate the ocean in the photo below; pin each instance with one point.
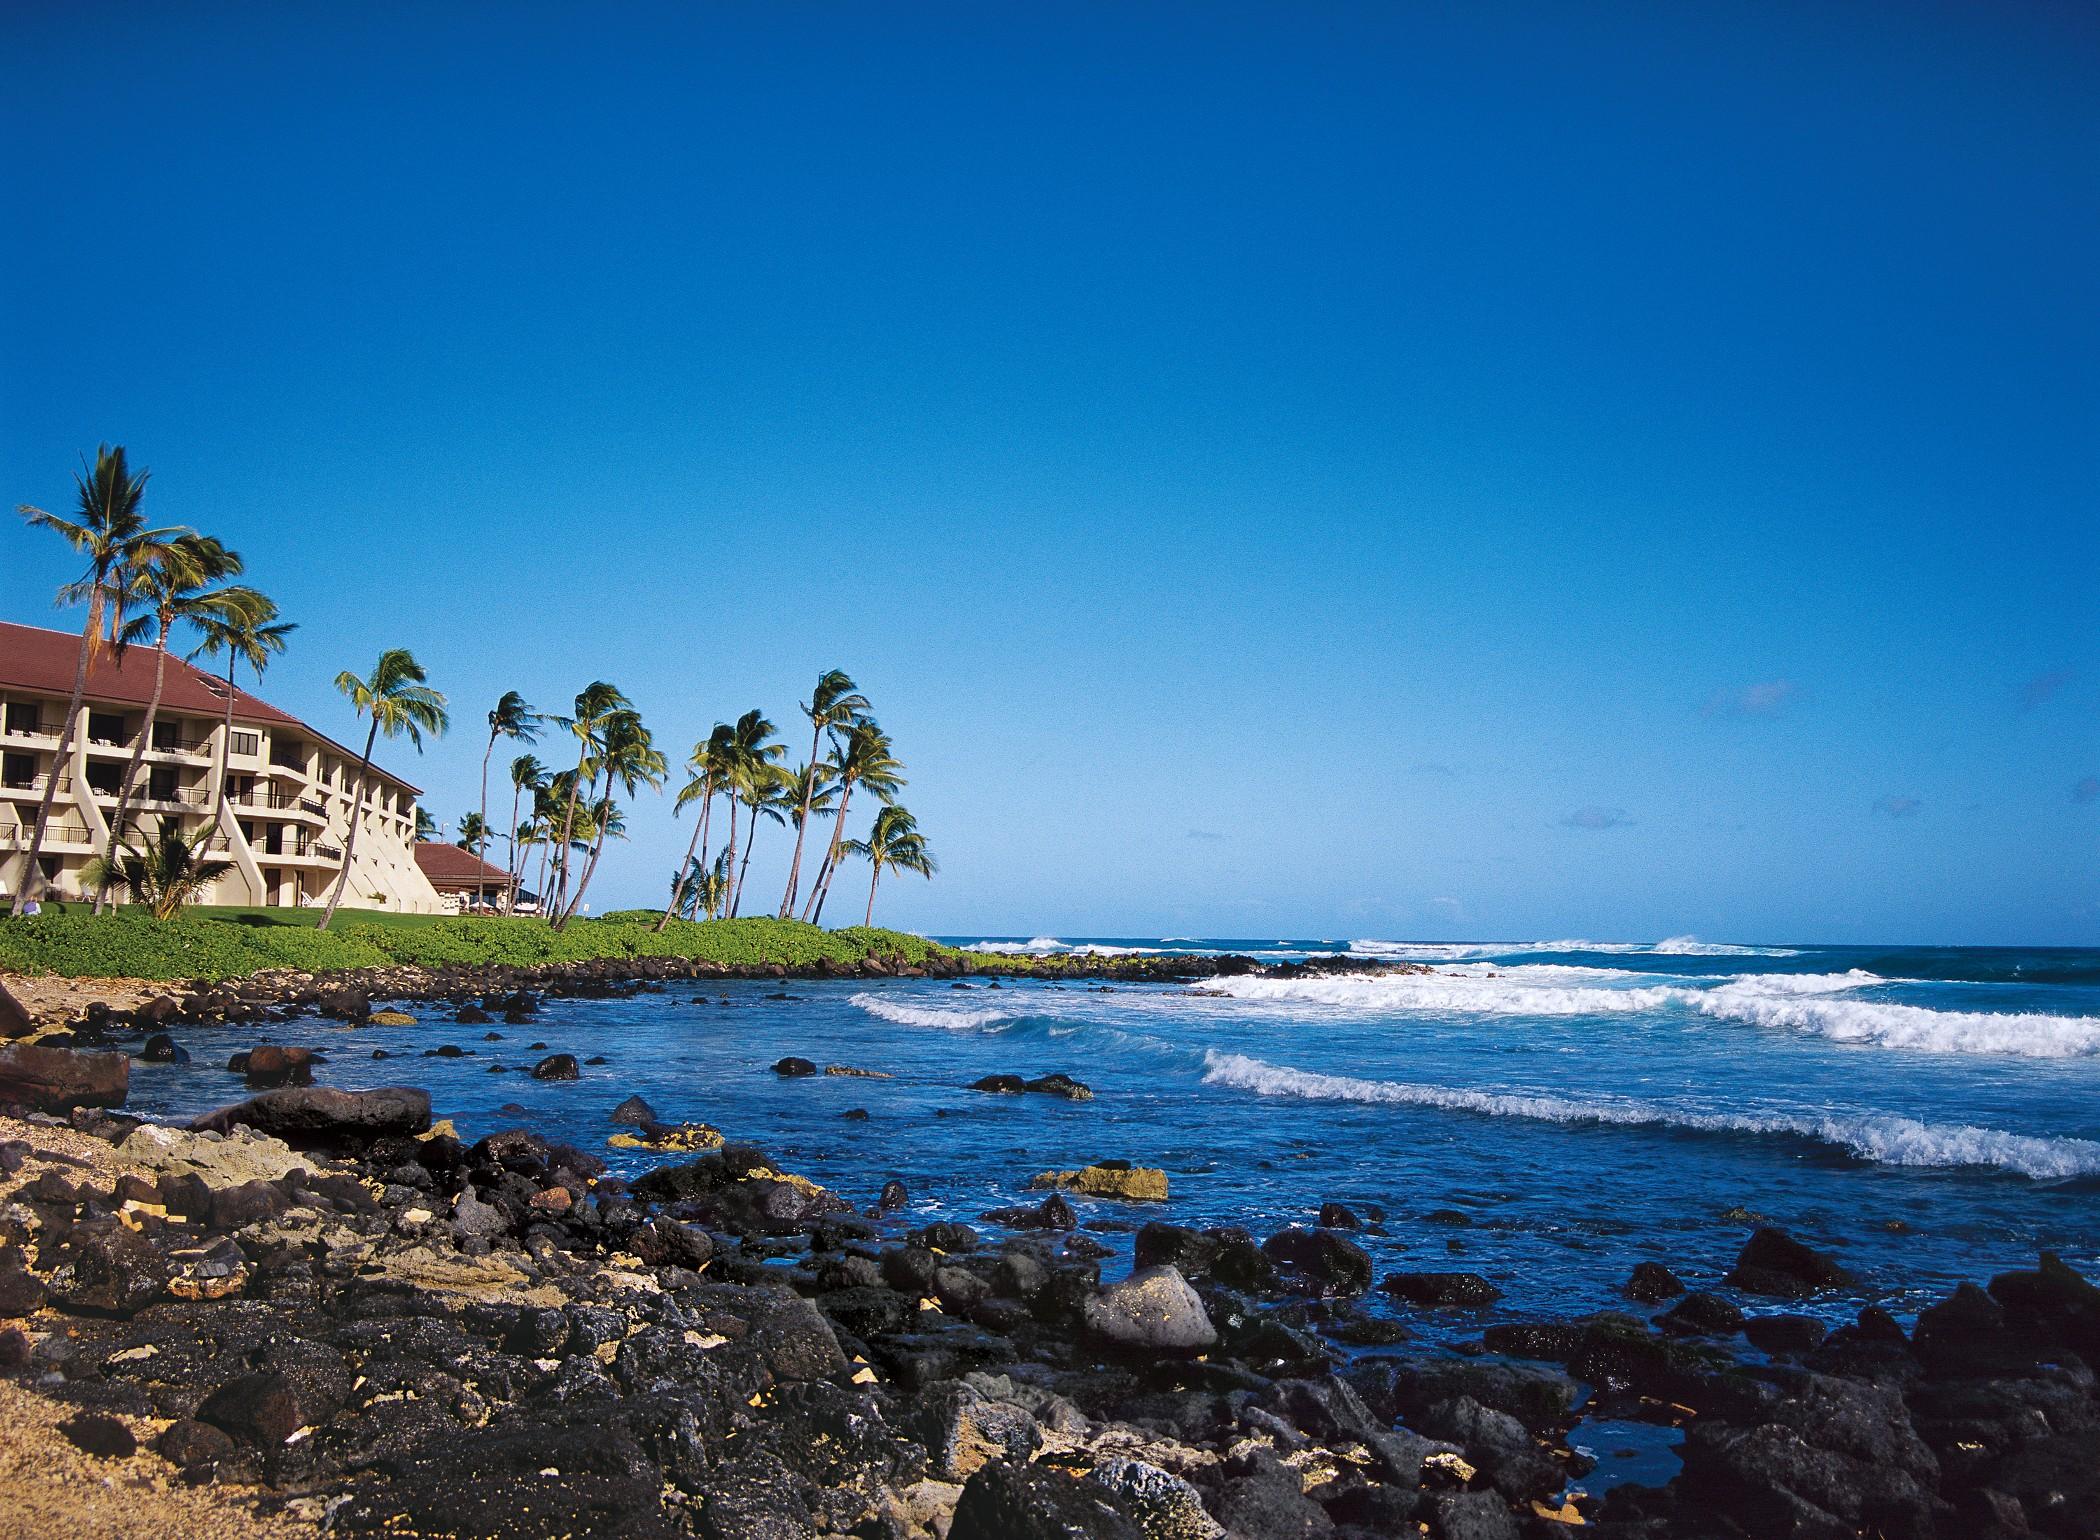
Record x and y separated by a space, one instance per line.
1546 1114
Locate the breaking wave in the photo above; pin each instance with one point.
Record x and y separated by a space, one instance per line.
1674 946
1879 1137
948 1019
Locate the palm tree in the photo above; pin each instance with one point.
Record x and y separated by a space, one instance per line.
835 702
247 630
525 771
473 835
398 700
767 796
427 828
173 583
627 757
164 875
748 768
597 701
515 719
863 759
112 533
894 842
705 763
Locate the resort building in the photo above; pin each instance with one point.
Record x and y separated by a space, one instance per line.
271 794
462 879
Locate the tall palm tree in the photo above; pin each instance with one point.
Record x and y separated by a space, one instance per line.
894 842
170 871
596 702
427 828
473 835
515 719
835 702
525 771
750 764
247 630
772 793
627 758
174 586
705 764
864 758
399 701
109 529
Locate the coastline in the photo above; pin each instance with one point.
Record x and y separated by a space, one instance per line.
723 1348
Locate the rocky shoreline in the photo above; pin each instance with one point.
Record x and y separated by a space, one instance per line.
325 1303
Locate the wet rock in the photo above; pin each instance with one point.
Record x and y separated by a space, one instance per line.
1776 1334
60 1079
321 1115
893 1197
665 1242
21 1293
1339 1216
1000 1085
1442 1290
557 1066
849 1072
1470 1516
1110 1179
273 1065
1701 1314
1060 1085
163 1049
1164 1506
1004 1501
104 1437
792 1068
1320 1261
1262 1496
1652 1283
945 1236
635 1112
1053 1213
1153 1311
1774 1264
109 1270
472 1016
963 1430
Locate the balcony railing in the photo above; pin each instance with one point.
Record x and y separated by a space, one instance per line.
54 834
172 743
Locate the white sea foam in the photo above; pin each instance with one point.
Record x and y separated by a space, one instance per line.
2027 1034
905 1015
1879 1137
1450 951
1051 946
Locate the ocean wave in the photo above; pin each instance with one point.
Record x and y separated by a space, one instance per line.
1879 1137
1454 951
2024 1034
1051 946
946 1017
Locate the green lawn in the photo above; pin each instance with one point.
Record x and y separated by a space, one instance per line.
220 943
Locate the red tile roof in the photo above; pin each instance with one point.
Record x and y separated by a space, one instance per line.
35 658
449 867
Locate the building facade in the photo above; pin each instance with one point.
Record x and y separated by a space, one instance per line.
271 794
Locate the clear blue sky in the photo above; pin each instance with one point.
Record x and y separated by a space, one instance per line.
1407 471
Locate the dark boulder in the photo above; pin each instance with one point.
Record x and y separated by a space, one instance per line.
262 1408
1701 1314
320 1115
1004 1501
665 1242
1774 1264
1339 1216
1777 1334
108 1270
1153 1311
1320 1261
557 1066
60 1079
163 1049
1000 1085
1060 1085
636 1113
1442 1290
792 1068
273 1065
187 1442
1652 1283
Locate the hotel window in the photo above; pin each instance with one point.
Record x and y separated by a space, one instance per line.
247 743
160 783
103 777
106 727
18 770
25 716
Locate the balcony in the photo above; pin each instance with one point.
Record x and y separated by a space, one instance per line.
175 743
54 834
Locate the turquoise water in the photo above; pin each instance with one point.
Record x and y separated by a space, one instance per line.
1932 1114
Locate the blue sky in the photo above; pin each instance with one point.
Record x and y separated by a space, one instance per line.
1497 471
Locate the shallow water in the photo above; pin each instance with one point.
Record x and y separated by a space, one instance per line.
1930 1114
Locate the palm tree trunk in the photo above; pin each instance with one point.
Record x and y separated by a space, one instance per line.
743 871
729 869
31 876
542 879
874 877
678 877
218 776
511 862
590 866
809 791
131 766
831 856
480 889
357 812
568 821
